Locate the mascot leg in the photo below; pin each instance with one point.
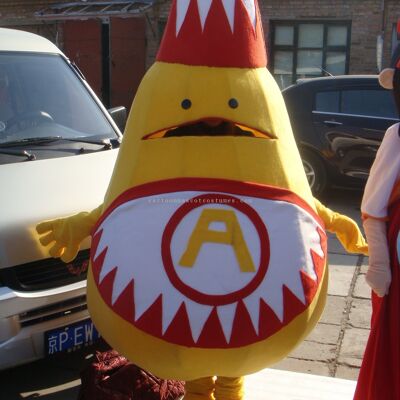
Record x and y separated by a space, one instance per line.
229 388
200 389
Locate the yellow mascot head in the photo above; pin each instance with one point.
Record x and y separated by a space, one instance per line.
209 258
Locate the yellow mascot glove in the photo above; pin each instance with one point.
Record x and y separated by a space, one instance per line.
346 230
66 234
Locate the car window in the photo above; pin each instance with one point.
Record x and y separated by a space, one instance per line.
371 102
33 85
327 101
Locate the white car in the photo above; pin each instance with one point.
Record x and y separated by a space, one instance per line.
58 145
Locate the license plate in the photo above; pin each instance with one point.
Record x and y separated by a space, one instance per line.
70 338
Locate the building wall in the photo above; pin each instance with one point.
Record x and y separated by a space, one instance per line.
366 18
158 17
21 11
19 14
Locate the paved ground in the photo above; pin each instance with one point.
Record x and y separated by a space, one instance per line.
334 349
280 384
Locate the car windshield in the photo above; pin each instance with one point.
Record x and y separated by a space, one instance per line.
40 96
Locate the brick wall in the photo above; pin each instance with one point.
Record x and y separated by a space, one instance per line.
20 10
393 14
366 18
19 14
159 14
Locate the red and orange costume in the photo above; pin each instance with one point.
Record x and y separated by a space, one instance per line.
380 371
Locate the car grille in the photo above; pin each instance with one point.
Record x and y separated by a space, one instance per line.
45 274
53 311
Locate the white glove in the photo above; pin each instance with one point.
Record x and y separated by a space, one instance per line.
378 275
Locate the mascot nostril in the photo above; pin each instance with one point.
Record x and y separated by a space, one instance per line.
209 253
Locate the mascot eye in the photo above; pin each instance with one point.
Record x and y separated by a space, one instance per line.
186 104
233 103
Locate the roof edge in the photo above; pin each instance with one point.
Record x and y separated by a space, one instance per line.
94 9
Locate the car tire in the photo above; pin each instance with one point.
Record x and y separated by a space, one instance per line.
315 172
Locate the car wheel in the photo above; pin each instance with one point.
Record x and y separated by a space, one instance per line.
315 172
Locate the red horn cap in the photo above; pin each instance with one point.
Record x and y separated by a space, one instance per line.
214 33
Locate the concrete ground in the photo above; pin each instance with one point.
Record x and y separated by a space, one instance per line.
285 385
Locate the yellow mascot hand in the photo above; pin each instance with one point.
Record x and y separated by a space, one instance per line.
66 234
346 230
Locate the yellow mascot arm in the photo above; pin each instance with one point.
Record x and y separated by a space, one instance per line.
346 230
66 234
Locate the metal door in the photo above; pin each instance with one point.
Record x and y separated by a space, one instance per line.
127 54
82 44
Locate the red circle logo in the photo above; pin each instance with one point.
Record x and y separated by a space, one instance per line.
229 202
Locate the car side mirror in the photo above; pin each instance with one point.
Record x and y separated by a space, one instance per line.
118 114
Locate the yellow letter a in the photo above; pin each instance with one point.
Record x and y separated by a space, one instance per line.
232 236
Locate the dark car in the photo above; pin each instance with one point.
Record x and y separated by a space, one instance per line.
339 123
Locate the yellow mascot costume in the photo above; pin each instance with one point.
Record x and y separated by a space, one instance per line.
208 258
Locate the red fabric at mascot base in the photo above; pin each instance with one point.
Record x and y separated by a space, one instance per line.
113 377
380 371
